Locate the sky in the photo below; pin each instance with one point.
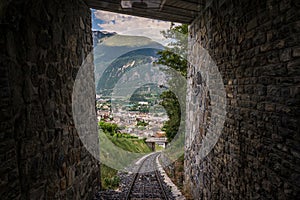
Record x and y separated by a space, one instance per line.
129 25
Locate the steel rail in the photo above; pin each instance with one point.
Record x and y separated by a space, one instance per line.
157 178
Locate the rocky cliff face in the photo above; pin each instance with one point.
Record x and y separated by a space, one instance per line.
115 55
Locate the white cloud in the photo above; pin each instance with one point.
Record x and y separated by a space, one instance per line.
131 25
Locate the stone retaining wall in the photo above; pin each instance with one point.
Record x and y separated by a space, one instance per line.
43 43
256 48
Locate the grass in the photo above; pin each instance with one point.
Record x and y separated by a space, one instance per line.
158 148
109 178
132 145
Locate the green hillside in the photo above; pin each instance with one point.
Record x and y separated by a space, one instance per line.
132 145
109 179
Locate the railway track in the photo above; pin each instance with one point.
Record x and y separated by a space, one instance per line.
147 183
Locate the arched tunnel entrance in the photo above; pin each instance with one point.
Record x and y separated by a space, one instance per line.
255 46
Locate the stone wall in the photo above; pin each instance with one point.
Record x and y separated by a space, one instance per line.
43 43
256 48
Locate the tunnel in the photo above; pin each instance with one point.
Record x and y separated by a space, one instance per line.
244 69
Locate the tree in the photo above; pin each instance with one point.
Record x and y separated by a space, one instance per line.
174 56
109 128
171 104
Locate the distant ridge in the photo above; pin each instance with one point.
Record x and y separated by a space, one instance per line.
115 55
99 36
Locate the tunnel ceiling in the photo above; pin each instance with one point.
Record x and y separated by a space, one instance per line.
181 11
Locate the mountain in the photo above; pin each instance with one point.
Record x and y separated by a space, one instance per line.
99 36
115 55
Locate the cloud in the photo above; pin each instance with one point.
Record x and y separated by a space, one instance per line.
131 25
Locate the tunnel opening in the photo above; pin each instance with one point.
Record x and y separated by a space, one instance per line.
137 110
255 46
